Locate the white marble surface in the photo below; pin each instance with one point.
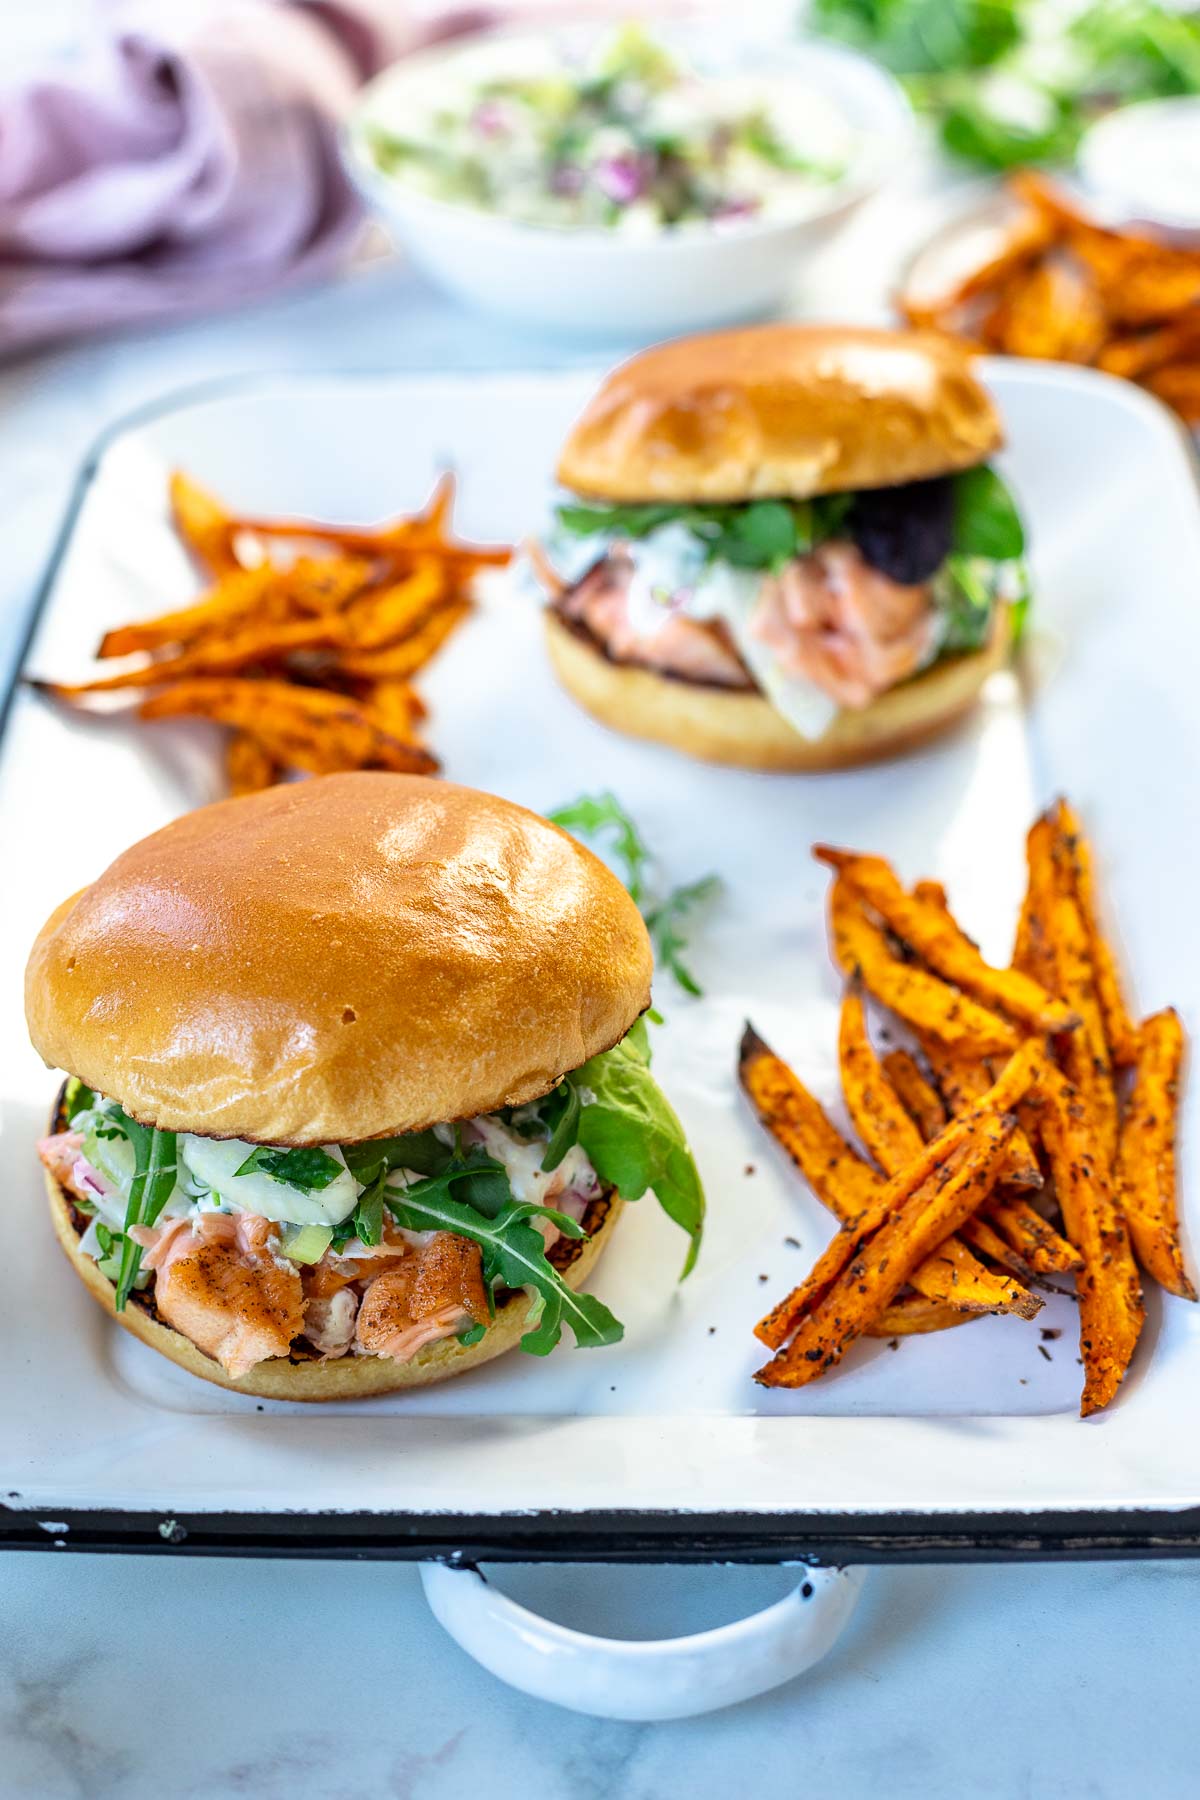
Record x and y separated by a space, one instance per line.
123 1678
136 1676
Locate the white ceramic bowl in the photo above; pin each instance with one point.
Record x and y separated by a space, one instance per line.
598 283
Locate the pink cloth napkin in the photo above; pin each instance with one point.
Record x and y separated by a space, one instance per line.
186 159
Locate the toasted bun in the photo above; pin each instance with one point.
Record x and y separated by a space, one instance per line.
781 410
741 728
345 1377
336 959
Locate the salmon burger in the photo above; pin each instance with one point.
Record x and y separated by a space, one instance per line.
357 1085
787 549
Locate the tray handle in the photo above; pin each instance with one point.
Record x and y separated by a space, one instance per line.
665 1678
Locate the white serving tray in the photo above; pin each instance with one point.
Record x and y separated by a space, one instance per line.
969 1443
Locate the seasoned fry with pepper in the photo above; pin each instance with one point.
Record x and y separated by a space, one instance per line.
1110 1293
928 929
1146 1159
848 1186
866 1269
1004 1087
921 999
919 1097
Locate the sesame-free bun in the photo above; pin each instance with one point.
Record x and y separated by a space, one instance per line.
783 411
343 1377
340 958
742 728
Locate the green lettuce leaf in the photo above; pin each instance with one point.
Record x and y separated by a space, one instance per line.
986 520
634 1139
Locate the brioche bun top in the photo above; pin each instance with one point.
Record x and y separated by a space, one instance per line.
340 958
783 411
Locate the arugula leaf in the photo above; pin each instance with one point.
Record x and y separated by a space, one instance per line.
77 1099
602 816
663 921
634 1139
307 1170
986 520
513 1255
421 1151
594 815
474 1334
151 1188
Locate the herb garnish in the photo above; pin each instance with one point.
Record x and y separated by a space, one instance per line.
307 1170
602 817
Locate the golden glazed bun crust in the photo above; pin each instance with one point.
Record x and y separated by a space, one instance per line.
743 729
344 1378
340 958
780 410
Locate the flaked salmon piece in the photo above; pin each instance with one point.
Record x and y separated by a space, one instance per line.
833 620
425 1297
237 1303
63 1155
694 649
160 1243
329 1322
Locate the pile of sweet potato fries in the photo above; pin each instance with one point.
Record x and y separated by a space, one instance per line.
1028 1131
307 640
1053 284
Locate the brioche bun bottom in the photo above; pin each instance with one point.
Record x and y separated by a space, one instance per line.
742 729
345 1377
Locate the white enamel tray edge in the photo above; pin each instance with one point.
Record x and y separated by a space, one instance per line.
313 1477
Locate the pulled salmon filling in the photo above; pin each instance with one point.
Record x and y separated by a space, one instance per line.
828 618
223 1280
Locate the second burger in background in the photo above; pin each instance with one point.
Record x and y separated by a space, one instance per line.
789 551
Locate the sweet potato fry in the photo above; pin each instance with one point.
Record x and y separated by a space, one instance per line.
203 524
839 1178
255 642
1033 1238
1140 353
304 728
249 766
894 1141
979 1234
876 1112
848 1186
963 1080
396 611
1052 312
1146 1159
1119 1030
397 706
325 584
912 1315
913 994
863 1273
919 1098
1109 1289
1085 1054
1021 1073
238 595
930 930
1031 948
400 661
